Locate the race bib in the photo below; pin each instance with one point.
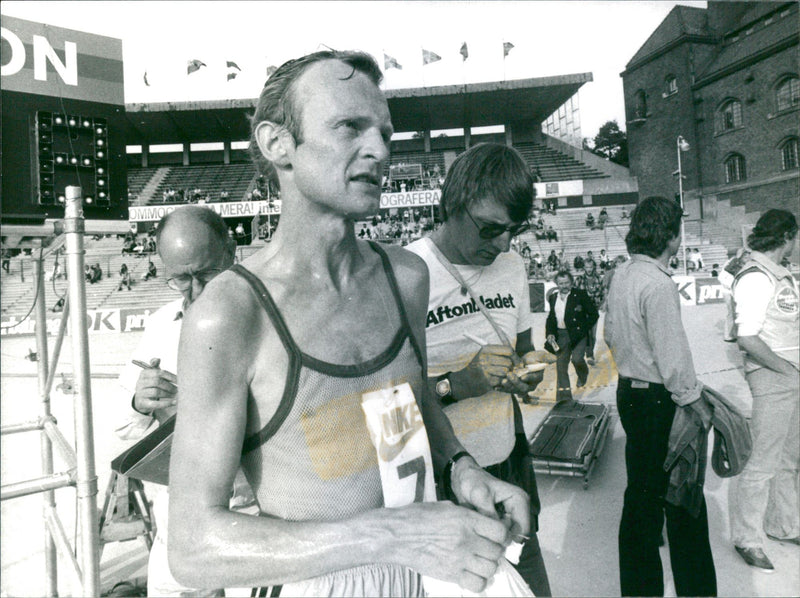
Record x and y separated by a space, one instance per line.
404 455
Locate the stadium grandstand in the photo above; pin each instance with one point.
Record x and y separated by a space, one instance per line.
196 152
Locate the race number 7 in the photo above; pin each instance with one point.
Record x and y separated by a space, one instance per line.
415 466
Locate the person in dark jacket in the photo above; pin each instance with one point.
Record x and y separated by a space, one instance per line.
572 315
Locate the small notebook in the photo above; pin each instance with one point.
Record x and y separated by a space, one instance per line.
148 459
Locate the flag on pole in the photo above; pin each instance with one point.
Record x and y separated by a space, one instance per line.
233 69
390 63
464 51
194 65
428 57
146 82
507 46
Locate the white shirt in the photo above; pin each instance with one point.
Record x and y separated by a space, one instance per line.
561 306
753 293
503 288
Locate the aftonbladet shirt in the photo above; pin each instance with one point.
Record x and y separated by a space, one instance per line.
501 287
644 331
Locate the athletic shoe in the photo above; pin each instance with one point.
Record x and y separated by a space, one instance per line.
787 540
581 383
756 558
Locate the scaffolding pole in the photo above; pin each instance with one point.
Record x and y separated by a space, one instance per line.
86 482
48 496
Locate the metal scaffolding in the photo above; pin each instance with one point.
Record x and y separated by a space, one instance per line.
84 569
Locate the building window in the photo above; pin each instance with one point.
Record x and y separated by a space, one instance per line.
734 169
787 93
671 84
789 154
729 116
640 105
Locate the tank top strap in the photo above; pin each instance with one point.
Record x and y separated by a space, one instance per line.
295 360
387 268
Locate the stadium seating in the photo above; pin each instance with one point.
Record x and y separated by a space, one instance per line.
211 178
552 165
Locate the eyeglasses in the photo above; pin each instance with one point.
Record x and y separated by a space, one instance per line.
184 281
492 231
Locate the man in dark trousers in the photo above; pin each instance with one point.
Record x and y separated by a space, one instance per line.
572 315
643 329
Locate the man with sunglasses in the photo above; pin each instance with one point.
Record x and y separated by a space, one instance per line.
479 320
194 246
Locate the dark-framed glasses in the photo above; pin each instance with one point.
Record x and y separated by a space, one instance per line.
492 231
184 281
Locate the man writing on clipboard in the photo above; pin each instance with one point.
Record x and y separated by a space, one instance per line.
478 330
193 243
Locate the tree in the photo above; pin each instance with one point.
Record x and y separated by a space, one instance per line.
611 143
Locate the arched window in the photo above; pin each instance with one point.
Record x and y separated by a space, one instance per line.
670 85
734 168
640 104
787 93
789 153
729 116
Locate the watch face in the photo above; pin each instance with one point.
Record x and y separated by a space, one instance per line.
443 387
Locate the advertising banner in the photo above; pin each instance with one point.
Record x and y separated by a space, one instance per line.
99 321
709 290
53 61
559 189
687 289
232 209
411 199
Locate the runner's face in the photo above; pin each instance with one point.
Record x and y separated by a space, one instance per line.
466 228
346 129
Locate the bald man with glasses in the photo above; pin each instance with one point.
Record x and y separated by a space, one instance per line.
194 246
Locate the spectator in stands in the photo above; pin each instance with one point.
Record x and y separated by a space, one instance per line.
589 256
602 219
697 258
674 263
151 271
123 269
151 245
572 315
577 263
552 261
6 260
125 281
552 235
603 259
59 306
240 234
589 220
715 270
525 252
128 245
624 215
590 281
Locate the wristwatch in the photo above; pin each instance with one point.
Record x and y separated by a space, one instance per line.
447 486
444 390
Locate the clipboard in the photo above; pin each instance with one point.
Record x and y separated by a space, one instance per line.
148 459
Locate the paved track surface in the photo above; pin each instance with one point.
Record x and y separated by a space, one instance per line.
578 527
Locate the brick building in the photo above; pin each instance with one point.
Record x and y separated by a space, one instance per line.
725 79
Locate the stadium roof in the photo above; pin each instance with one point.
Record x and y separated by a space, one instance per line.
425 108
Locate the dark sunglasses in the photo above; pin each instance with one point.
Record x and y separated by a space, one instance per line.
492 231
